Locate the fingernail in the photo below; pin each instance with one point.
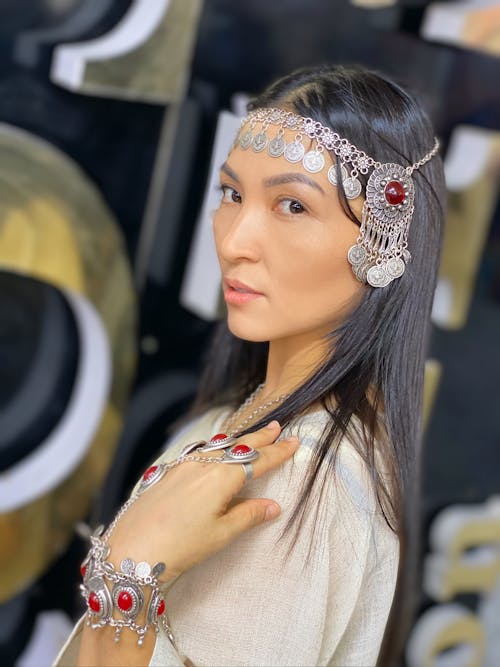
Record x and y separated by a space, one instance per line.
273 424
272 511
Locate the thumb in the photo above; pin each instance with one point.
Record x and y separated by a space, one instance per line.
249 513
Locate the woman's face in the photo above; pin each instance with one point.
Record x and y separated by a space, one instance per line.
282 240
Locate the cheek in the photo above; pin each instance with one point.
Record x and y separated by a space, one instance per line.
319 278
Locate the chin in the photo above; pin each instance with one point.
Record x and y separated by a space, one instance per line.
251 334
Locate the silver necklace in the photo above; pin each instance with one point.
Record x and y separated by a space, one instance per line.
246 404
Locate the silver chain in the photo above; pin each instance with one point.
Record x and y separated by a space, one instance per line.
246 404
167 466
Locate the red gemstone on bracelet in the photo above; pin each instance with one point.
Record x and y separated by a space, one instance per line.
394 193
219 436
149 472
161 608
94 602
241 449
83 570
125 601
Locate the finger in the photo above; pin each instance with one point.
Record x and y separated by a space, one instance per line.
246 515
272 457
264 436
269 458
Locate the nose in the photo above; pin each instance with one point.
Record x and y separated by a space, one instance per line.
239 236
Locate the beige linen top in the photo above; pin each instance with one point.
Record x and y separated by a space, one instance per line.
263 602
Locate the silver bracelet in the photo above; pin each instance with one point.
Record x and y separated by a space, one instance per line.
129 591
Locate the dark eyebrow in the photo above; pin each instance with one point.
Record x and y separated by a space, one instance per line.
280 179
293 177
227 170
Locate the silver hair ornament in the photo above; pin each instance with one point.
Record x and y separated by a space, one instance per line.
380 254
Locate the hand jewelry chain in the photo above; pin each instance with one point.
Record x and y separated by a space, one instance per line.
129 586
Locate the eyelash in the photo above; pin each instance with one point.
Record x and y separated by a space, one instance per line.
227 190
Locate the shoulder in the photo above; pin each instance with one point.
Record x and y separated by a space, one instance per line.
344 492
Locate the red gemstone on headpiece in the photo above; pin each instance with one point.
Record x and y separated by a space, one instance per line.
125 601
149 472
241 449
83 570
161 608
394 192
219 436
94 602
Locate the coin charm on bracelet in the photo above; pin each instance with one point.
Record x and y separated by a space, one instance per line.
127 566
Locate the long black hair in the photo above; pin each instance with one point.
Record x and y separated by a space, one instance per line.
375 367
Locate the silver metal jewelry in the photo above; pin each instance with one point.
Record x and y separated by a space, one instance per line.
245 405
117 597
380 254
135 586
248 470
239 454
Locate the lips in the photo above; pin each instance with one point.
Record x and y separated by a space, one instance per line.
238 293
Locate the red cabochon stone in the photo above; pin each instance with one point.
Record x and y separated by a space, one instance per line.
150 471
125 601
219 436
394 193
94 602
161 608
241 449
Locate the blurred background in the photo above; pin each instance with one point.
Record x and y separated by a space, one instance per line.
112 114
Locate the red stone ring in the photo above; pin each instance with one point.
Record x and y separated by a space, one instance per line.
219 441
239 454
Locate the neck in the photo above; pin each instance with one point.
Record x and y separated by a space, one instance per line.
290 362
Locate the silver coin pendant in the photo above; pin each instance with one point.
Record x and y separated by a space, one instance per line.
332 174
356 255
127 566
276 146
246 139
313 161
377 276
142 569
259 142
395 267
352 187
294 152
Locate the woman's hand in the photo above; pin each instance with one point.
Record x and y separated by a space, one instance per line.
181 520
190 514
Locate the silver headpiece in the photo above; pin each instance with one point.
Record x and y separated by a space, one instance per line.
381 251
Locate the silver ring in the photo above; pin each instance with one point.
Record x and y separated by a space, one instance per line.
248 469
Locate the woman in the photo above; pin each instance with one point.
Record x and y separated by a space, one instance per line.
328 237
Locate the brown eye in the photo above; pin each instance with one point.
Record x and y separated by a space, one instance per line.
230 195
291 206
